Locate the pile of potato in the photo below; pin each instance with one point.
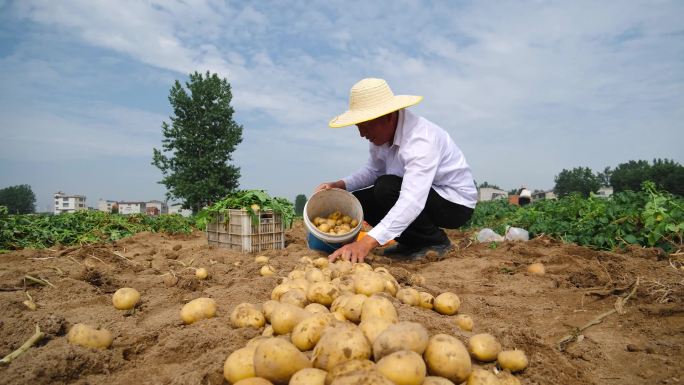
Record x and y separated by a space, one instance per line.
337 324
335 224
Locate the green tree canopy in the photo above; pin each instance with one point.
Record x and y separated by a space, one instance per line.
199 142
486 184
666 174
578 180
18 199
300 201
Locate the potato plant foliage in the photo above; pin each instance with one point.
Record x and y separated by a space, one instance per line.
250 200
648 217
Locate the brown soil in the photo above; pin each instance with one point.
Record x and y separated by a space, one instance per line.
645 345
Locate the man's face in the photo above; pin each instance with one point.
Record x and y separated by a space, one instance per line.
379 130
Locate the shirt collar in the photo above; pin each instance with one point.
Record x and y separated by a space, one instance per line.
399 132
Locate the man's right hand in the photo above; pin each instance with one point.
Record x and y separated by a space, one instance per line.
328 185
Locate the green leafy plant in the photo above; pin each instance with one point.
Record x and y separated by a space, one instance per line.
250 200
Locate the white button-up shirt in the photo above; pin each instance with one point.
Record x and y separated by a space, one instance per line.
425 156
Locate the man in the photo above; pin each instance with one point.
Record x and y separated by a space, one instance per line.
415 181
524 196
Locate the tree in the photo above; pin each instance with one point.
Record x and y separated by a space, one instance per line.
18 199
666 174
200 141
300 201
578 180
486 184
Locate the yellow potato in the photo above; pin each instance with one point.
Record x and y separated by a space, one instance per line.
314 275
362 266
267 308
239 365
506 378
346 219
277 360
321 262
323 293
89 337
434 380
373 327
404 367
409 296
306 261
513 360
378 306
254 381
279 290
335 215
426 300
267 270
307 333
324 227
447 357
198 309
353 223
296 274
447 303
286 316
308 376
536 269
261 259
362 377
482 377
339 302
295 296
368 283
331 222
401 336
125 298
268 331
464 322
247 315
316 308
201 273
484 347
317 221
338 344
348 367
299 283
344 284
353 306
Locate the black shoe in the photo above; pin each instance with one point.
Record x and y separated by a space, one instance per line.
416 253
399 250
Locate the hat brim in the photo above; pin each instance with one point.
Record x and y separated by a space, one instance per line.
351 117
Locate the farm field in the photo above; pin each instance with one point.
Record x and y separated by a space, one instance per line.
532 313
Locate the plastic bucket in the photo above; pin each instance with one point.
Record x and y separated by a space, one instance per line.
324 203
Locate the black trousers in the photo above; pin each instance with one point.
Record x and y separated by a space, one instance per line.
425 230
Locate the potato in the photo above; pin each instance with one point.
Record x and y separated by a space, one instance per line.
482 377
316 308
401 336
416 280
286 316
346 219
378 306
306 334
536 269
267 308
339 316
125 298
322 292
299 283
373 327
306 261
426 300
295 296
464 322
447 303
513 360
341 268
434 380
314 275
484 347
338 344
391 284
201 273
339 302
362 377
404 367
506 378
352 307
261 259
361 266
247 315
344 284
447 357
308 376
254 381
348 367
268 331
296 274
324 227
368 283
267 270
277 360
408 296
279 290
239 365
89 337
321 262
198 309
353 223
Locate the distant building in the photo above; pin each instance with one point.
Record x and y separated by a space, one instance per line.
156 208
604 192
132 207
69 203
490 194
175 208
549 194
106 205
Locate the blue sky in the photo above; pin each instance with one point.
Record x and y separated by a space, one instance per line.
525 89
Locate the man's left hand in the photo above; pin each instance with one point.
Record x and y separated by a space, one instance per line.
356 251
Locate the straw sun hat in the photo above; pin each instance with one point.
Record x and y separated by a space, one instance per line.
369 99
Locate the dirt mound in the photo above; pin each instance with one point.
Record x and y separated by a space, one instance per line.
152 346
